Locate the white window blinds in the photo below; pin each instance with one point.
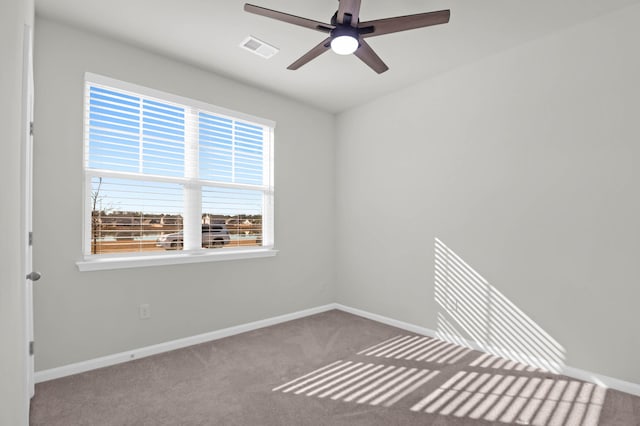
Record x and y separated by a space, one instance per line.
162 170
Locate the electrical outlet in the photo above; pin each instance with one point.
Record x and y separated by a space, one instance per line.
145 311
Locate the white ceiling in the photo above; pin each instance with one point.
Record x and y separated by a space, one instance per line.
206 33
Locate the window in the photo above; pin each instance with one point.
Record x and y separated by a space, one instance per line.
168 176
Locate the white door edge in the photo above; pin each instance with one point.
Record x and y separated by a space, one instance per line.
27 199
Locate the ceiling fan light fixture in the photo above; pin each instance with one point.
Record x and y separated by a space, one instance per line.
344 44
347 33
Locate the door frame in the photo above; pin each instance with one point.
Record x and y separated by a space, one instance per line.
27 201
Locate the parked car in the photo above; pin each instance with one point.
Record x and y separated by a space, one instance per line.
212 236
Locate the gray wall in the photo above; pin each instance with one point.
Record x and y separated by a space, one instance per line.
14 14
525 165
80 316
521 164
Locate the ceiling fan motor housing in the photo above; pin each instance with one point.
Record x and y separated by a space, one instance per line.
344 30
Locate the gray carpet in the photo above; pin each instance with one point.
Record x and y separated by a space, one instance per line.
328 369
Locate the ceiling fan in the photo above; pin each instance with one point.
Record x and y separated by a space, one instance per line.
347 34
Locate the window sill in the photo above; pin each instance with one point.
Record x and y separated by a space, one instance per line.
122 262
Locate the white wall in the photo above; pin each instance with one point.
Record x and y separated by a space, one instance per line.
80 316
14 14
525 164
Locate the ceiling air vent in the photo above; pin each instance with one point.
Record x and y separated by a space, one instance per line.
259 47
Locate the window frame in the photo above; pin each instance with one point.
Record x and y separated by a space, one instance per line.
91 261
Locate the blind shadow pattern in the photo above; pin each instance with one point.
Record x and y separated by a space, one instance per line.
362 383
433 377
474 309
516 399
513 380
418 348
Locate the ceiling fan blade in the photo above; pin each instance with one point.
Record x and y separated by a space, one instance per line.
312 54
403 23
369 57
291 19
348 7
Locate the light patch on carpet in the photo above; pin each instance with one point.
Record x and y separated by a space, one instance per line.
362 383
492 361
516 399
418 348
497 390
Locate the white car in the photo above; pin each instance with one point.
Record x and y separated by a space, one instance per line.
212 236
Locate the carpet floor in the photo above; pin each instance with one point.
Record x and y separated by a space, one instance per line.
327 369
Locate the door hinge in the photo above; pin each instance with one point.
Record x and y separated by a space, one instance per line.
31 128
31 344
30 238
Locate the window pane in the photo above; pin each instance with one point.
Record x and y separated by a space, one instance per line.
240 210
216 147
135 135
114 130
248 150
230 151
162 139
131 215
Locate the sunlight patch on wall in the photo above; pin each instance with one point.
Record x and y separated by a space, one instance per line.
473 309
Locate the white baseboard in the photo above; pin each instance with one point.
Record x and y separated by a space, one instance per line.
576 373
105 361
386 320
602 380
